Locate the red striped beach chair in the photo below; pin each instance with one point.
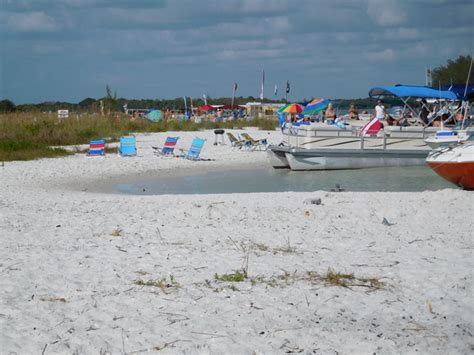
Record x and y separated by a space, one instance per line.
168 147
96 147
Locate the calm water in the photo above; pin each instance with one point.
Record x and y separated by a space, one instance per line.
419 178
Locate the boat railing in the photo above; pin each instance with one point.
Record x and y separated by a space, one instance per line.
299 138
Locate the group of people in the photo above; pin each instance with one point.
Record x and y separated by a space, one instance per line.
381 114
429 118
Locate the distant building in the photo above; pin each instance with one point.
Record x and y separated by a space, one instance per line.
259 109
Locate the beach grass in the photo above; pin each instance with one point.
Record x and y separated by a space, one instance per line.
237 276
163 283
28 136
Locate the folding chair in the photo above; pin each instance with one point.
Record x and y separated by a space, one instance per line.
168 147
128 146
234 142
96 147
254 144
195 150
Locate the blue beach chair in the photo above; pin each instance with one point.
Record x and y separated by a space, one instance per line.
96 147
168 147
128 146
195 150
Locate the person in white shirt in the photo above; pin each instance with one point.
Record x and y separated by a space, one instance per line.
380 113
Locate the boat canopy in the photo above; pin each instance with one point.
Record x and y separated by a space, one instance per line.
462 91
412 91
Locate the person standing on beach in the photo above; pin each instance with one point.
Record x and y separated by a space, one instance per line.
219 115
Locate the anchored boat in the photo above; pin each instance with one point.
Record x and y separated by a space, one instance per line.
455 164
318 146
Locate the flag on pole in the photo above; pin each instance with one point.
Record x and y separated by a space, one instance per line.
287 87
263 85
234 89
276 90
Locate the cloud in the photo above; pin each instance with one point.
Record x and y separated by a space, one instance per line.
31 22
386 12
384 55
200 45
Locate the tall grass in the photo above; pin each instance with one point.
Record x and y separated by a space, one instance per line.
25 136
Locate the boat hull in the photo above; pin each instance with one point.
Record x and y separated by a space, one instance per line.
455 164
460 174
277 157
339 159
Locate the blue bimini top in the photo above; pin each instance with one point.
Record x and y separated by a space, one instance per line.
412 91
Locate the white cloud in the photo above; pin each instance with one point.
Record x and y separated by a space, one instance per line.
404 33
386 12
384 55
31 22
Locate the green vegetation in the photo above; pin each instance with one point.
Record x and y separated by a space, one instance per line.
163 284
331 278
234 277
338 279
26 136
454 72
27 150
7 106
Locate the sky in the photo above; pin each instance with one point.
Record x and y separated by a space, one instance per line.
68 50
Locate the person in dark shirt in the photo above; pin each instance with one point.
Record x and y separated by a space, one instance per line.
424 112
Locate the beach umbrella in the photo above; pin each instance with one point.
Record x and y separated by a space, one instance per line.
283 107
155 116
205 108
315 106
293 108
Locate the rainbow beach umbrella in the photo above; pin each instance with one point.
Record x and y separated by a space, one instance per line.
293 108
315 106
283 107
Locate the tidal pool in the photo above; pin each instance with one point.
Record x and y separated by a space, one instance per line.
265 179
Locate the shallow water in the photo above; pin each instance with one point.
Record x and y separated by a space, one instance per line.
263 179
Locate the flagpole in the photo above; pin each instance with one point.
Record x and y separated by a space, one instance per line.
233 95
191 103
185 106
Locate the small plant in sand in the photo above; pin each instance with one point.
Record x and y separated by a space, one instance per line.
117 232
53 299
348 280
337 279
269 281
163 284
331 277
260 246
285 249
238 276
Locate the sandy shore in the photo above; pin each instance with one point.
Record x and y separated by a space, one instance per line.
85 272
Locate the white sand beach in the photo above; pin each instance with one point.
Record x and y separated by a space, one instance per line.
85 272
